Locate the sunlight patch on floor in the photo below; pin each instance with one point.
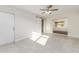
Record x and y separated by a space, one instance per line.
35 36
43 40
38 38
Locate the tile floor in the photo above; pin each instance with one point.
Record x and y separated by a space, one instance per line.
56 43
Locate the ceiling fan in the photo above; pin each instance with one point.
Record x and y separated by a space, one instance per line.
49 9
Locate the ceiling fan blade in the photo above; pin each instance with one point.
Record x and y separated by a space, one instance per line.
44 9
54 10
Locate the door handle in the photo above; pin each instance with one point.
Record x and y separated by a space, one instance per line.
13 28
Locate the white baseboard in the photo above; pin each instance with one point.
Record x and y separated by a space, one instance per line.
23 37
76 37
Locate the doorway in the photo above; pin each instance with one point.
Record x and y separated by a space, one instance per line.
42 25
60 26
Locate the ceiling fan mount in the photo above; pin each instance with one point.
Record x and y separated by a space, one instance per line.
50 6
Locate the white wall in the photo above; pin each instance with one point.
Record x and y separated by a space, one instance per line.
25 22
73 25
72 14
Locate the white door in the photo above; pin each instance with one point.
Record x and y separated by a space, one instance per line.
48 25
6 28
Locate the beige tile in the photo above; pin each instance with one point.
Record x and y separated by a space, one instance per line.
57 43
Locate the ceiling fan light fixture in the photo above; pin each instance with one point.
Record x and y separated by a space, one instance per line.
49 10
46 12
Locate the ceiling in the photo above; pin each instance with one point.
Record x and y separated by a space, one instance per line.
31 8
62 9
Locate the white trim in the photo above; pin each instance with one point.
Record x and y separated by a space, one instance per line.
24 37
